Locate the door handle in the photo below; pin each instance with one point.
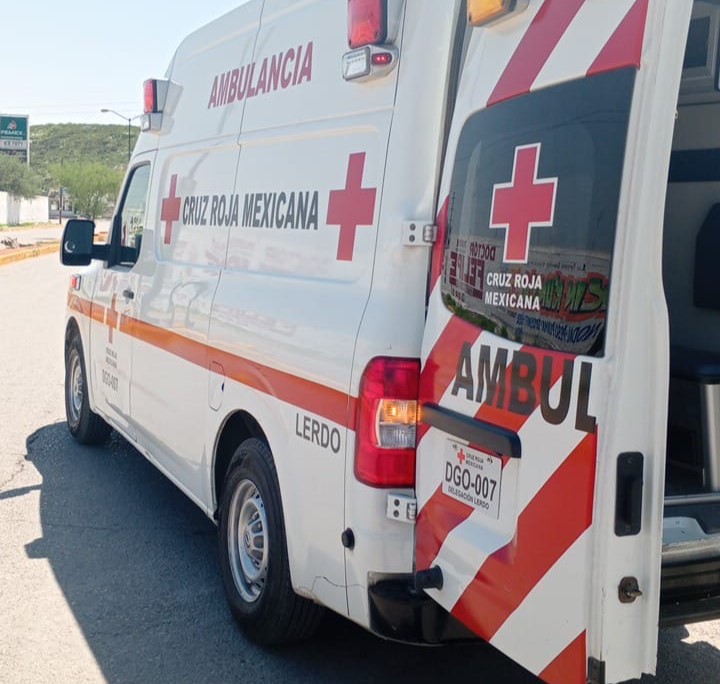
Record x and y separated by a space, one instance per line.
128 294
493 438
629 494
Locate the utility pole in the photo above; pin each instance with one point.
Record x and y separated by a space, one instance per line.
60 205
129 120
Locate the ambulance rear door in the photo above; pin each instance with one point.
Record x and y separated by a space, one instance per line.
545 357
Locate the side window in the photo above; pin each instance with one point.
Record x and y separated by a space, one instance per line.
533 214
130 221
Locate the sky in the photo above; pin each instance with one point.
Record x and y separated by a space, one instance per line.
64 61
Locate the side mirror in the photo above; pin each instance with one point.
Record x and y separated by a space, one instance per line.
77 244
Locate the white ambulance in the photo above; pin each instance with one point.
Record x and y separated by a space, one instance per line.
420 301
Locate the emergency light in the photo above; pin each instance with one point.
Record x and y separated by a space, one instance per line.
154 99
150 93
367 22
485 12
369 57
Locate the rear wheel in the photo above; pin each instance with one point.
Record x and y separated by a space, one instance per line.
84 425
253 553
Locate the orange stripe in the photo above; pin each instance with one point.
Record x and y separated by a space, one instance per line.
310 396
76 303
570 667
564 505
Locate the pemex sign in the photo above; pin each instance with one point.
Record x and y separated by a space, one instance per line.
15 136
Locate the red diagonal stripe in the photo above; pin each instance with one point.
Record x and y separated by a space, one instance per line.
440 515
564 506
625 46
570 667
514 421
535 48
441 364
438 252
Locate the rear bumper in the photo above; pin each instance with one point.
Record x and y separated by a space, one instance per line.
402 613
690 591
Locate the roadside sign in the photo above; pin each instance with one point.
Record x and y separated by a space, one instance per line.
15 136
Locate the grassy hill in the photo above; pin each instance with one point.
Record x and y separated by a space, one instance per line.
68 143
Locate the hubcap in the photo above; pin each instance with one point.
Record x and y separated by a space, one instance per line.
75 388
247 541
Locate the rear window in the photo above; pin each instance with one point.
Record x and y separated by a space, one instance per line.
533 213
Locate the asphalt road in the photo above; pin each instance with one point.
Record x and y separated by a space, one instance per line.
108 574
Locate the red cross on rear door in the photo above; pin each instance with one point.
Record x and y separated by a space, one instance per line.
526 202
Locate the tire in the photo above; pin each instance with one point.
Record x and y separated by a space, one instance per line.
84 425
254 556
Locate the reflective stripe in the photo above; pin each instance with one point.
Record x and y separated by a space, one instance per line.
335 406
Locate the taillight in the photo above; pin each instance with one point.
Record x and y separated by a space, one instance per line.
367 22
151 97
387 423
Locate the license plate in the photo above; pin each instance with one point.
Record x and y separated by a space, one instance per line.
473 477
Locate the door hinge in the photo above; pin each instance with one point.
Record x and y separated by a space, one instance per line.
419 234
402 508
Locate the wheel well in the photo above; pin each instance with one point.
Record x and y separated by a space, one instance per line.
239 427
71 331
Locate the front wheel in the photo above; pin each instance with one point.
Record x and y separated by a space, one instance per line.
85 426
253 553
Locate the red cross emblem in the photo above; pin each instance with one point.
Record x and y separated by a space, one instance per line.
462 456
112 318
352 207
525 203
171 210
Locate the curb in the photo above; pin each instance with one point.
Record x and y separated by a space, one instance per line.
23 253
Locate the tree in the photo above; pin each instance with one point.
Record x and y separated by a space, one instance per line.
90 185
54 144
16 178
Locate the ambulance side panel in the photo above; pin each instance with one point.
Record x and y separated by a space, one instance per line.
194 180
317 249
290 301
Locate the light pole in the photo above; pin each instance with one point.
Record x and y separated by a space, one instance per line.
129 120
